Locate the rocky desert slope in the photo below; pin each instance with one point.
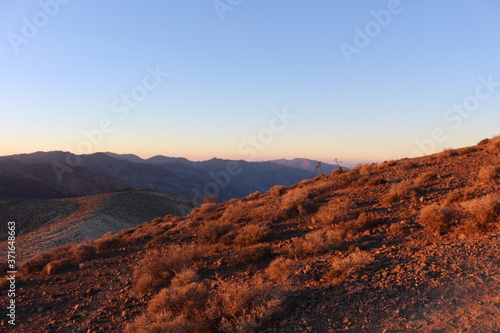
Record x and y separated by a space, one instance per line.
402 246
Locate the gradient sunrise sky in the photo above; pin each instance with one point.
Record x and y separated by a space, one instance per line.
354 80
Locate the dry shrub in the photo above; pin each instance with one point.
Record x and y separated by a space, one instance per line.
342 268
315 242
296 201
157 267
460 195
82 252
490 172
448 152
425 178
254 253
212 231
408 165
363 222
282 270
245 306
277 190
207 207
184 277
373 181
252 196
70 251
107 241
438 218
494 145
485 213
483 142
399 191
57 266
252 234
337 210
231 306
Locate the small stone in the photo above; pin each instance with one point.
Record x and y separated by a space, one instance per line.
283 323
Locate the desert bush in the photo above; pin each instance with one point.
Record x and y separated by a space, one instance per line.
252 234
277 190
408 165
282 270
399 191
485 213
490 172
231 306
207 207
363 222
494 144
254 253
252 196
425 178
315 242
158 267
373 181
245 306
460 195
107 241
337 210
39 261
183 277
342 268
296 201
438 218
212 231
448 152
83 252
483 142
57 266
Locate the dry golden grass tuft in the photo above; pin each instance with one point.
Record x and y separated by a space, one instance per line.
277 190
494 144
460 195
338 210
254 253
252 234
212 231
230 306
425 178
408 165
207 207
282 270
448 152
71 253
315 243
58 266
107 241
400 191
439 218
485 212
363 222
158 267
343 268
489 172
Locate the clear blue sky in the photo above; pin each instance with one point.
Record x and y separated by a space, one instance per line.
359 89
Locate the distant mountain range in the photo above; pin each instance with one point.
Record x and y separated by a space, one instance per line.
48 175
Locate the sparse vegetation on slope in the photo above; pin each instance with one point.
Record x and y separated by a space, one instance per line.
415 252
